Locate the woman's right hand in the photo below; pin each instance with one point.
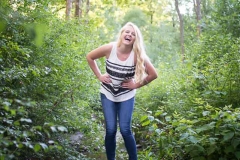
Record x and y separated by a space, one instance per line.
105 78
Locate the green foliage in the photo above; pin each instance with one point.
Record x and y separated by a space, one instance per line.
43 61
136 16
193 107
227 16
204 132
160 48
19 133
216 69
48 92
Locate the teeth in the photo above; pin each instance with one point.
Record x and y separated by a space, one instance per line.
127 39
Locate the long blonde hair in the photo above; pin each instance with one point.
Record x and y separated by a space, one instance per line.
138 49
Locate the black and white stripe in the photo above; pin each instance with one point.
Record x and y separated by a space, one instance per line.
118 73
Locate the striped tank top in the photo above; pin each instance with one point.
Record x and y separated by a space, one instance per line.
118 71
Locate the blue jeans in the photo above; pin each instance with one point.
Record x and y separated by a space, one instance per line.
122 112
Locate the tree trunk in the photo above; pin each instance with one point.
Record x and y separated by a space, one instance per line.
80 8
204 7
173 21
180 16
151 15
197 8
77 9
68 9
87 7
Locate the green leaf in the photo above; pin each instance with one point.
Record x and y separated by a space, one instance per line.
198 149
184 136
53 128
8 121
146 123
37 147
150 112
229 149
157 120
13 112
26 120
6 108
51 142
193 139
235 142
206 127
206 113
164 114
44 146
168 118
158 131
143 118
237 154
211 149
228 136
158 113
195 150
175 123
37 128
217 92
62 128
151 118
28 144
7 105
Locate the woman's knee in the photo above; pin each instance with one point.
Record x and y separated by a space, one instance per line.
125 130
111 130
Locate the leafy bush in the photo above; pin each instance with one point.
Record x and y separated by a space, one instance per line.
192 110
204 132
216 69
43 89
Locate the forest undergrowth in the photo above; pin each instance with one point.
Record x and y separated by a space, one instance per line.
49 94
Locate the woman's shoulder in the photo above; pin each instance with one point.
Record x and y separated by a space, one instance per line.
108 48
112 44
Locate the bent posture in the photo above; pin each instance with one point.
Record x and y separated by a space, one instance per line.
127 68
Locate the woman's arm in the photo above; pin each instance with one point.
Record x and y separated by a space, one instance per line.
151 75
151 72
102 51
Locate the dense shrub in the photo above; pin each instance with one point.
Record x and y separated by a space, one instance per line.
193 109
204 132
43 89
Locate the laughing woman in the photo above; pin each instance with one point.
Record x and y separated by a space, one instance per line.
127 68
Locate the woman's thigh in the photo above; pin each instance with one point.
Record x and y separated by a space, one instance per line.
125 113
110 112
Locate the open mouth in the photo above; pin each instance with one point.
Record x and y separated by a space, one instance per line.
127 39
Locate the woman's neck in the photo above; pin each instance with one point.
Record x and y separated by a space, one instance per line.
124 49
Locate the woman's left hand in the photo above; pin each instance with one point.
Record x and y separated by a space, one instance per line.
130 84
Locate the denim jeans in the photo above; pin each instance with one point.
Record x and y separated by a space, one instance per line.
118 112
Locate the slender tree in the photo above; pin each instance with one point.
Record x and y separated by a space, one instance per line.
68 9
197 8
87 7
77 8
80 8
180 16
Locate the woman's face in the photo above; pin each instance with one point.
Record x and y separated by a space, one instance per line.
128 35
